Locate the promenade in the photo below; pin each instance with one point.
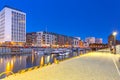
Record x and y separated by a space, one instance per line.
91 66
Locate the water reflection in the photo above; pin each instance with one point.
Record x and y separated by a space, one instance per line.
33 58
9 66
19 62
47 59
42 61
1 60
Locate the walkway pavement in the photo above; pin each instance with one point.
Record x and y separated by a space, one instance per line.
92 66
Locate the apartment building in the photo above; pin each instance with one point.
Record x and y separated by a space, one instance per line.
50 39
90 40
12 26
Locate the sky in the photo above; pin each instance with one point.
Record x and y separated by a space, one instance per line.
77 18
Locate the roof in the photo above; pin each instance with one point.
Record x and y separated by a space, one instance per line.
6 6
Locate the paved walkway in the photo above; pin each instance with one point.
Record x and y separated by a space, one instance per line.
92 66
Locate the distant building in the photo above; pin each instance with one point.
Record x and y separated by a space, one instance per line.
95 46
98 40
86 44
78 38
90 40
111 40
31 39
49 39
12 26
45 39
76 42
81 44
118 42
40 39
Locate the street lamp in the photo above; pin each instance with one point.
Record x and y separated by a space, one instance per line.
114 34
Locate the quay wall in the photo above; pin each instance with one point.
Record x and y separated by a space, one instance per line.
6 50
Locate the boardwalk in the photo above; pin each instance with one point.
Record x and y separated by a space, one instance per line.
92 66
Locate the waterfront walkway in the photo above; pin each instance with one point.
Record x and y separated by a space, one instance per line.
91 66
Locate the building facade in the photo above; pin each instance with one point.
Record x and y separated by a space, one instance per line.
76 42
45 39
90 40
49 39
96 46
85 44
112 41
98 40
81 44
12 26
31 39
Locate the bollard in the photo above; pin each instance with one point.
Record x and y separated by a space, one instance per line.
56 61
49 63
45 64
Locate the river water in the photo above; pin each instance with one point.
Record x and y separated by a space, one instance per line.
15 63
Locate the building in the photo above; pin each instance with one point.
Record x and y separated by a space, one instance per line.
96 46
76 42
50 39
81 44
31 39
45 39
98 40
112 41
118 42
90 40
41 39
12 26
85 44
78 38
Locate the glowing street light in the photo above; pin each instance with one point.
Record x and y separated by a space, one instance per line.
114 34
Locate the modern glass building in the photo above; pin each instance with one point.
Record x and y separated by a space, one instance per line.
12 25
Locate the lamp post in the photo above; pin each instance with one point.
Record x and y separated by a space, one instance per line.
114 34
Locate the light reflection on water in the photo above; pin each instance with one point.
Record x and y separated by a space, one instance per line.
42 60
19 62
9 66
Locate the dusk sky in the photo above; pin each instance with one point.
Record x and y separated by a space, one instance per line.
83 18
